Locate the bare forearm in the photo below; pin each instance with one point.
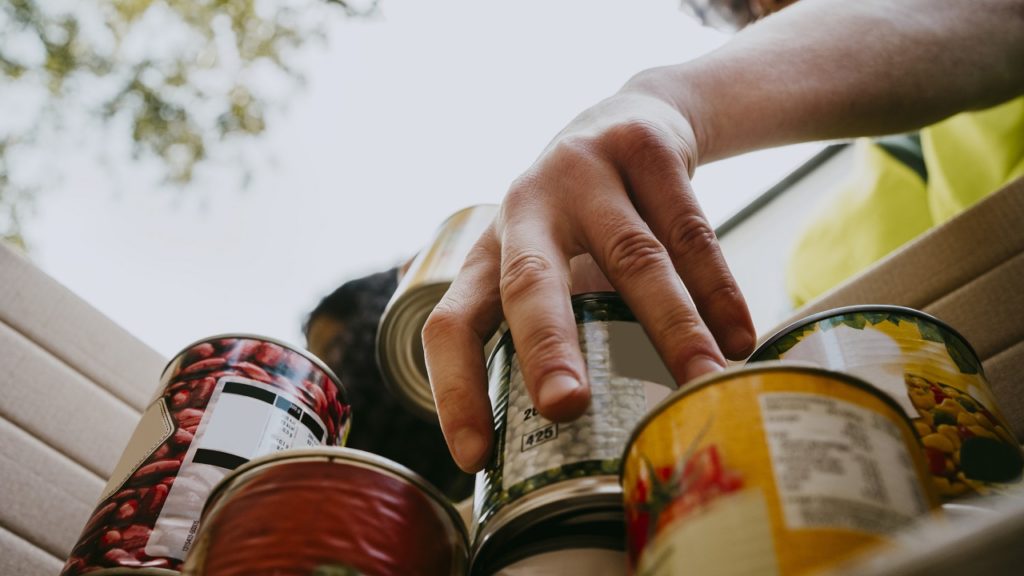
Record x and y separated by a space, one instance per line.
825 69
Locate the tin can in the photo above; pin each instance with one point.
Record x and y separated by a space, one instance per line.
328 512
770 469
932 372
542 469
399 344
221 402
539 541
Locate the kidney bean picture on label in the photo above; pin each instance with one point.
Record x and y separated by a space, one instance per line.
116 534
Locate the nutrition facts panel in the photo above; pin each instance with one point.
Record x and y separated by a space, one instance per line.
839 465
244 419
250 419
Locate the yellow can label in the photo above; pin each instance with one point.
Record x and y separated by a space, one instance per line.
769 472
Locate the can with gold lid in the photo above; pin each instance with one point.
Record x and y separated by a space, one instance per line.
769 469
932 372
328 511
399 345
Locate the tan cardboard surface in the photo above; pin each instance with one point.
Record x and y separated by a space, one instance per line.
1004 372
46 498
988 311
66 326
56 404
21 558
970 274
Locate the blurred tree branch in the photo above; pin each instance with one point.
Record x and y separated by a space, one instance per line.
175 77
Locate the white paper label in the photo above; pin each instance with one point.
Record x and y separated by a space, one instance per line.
244 419
838 465
534 444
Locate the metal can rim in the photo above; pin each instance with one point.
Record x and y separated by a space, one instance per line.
394 361
270 340
819 316
766 366
339 453
549 502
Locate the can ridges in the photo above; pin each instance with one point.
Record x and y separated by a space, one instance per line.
565 498
331 454
397 344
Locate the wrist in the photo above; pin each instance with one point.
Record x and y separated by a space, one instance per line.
674 85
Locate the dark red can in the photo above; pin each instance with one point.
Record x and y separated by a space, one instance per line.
222 402
330 512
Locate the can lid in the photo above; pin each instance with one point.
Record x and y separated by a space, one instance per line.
860 308
340 455
757 368
400 347
290 347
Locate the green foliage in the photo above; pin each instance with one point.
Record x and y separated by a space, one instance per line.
176 77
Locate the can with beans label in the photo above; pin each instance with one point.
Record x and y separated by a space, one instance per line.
399 344
931 372
222 401
328 512
540 467
773 469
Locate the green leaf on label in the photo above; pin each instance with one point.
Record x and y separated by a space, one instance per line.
965 360
874 317
855 321
929 331
830 323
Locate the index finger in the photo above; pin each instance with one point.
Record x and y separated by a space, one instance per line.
453 347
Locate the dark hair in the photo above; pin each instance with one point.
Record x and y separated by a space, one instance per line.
380 423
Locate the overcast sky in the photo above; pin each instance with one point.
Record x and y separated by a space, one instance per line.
407 117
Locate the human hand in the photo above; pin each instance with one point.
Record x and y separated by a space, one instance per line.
614 184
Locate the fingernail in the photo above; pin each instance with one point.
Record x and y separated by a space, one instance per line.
740 342
556 388
701 365
468 447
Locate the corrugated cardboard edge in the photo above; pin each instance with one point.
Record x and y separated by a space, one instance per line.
968 272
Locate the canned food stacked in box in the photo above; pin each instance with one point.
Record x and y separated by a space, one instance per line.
843 429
